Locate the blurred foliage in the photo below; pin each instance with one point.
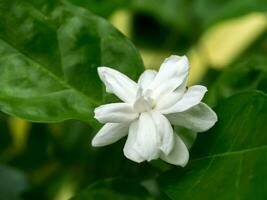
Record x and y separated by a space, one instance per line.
114 189
49 51
12 184
244 75
103 8
4 133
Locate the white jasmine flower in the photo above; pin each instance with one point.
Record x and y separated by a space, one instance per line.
149 107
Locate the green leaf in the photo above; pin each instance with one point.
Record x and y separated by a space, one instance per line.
49 53
229 161
12 183
244 75
118 189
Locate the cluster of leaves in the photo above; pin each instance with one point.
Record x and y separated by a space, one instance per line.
49 53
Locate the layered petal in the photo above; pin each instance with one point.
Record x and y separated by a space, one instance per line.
198 118
172 98
110 133
191 97
147 139
115 113
118 84
165 132
146 78
172 73
179 155
129 149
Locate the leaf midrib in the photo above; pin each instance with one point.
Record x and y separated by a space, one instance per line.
264 147
49 73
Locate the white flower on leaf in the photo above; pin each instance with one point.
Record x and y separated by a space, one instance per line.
149 107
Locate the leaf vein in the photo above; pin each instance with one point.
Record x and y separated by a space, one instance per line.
49 73
231 153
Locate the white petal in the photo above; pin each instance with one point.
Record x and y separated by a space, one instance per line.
141 105
147 139
129 148
165 132
118 84
179 155
146 78
115 113
192 97
110 133
198 118
172 98
172 73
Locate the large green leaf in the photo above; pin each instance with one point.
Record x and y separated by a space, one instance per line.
229 161
49 52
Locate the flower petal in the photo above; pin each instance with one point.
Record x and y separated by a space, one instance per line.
198 118
129 148
179 155
172 98
146 78
118 84
110 133
165 132
147 139
192 97
172 73
115 113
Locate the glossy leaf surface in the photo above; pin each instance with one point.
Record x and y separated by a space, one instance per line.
49 52
229 161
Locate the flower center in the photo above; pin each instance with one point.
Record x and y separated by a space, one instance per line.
144 102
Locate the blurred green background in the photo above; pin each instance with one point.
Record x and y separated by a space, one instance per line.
226 42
